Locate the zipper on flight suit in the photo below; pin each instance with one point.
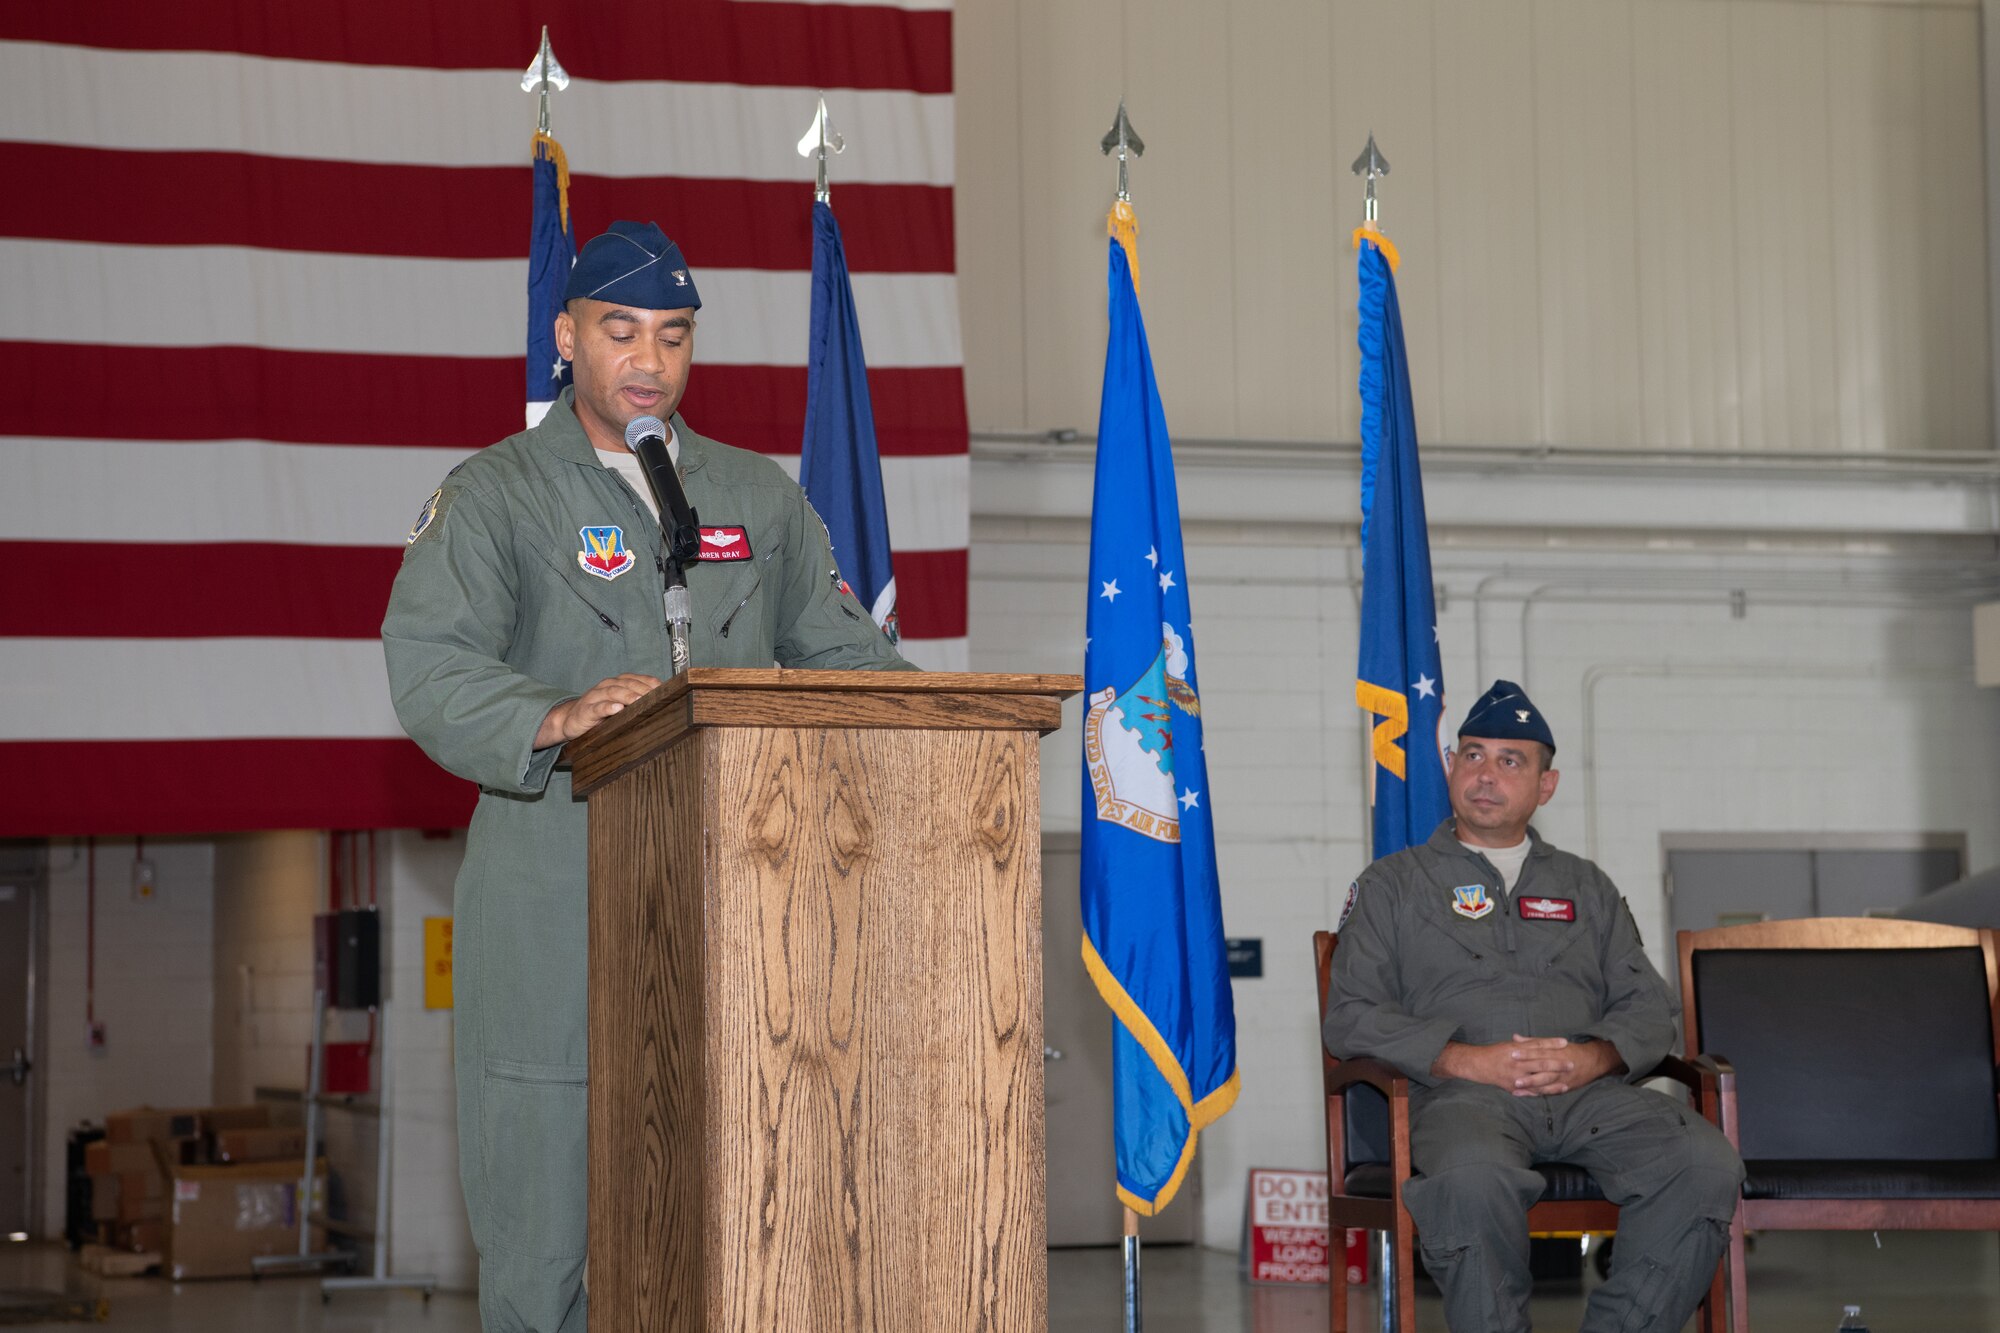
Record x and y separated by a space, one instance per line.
755 584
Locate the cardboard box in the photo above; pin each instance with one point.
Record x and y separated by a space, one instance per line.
146 1123
260 1145
222 1217
105 1158
220 1119
142 1196
103 1198
144 1238
110 1261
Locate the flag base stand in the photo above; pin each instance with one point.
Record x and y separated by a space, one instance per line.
1133 1321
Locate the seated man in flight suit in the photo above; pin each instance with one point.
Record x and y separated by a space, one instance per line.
1507 980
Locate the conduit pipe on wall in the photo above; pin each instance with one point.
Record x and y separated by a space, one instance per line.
1916 585
1755 670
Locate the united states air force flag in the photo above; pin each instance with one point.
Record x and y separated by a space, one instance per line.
1400 679
551 252
1152 911
839 465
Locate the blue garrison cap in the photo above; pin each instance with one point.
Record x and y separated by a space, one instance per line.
1504 713
633 264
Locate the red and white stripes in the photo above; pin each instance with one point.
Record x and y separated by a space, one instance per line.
265 275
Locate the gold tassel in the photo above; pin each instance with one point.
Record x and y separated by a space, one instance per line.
548 150
1123 227
1366 232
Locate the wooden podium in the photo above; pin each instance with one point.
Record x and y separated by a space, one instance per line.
816 1003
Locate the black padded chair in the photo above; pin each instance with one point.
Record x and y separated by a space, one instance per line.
1856 1064
1368 1164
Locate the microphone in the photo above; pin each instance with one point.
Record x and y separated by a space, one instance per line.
647 437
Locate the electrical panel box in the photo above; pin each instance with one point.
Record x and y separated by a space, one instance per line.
1986 643
358 974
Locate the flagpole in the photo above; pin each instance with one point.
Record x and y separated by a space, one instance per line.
1133 1322
1125 141
1372 165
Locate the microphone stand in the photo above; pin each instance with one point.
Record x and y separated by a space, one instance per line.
681 530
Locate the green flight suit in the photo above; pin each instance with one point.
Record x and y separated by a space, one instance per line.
495 618
1433 949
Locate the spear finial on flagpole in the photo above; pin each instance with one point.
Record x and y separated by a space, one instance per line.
1129 145
545 73
1123 224
1372 165
821 141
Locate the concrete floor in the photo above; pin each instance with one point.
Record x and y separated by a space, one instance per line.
1916 1282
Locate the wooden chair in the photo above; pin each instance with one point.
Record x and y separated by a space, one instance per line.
1368 1164
1856 1062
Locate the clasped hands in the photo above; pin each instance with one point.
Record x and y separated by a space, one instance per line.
1530 1066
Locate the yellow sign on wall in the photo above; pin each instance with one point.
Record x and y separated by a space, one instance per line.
437 962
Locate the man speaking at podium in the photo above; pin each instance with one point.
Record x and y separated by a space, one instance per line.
529 609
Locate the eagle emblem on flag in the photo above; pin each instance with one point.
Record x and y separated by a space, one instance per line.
1129 744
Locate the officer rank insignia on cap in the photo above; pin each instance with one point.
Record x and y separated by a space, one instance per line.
604 555
1471 901
424 516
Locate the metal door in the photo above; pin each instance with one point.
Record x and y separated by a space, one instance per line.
1076 1070
1779 877
19 892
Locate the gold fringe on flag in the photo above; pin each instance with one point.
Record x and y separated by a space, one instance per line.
1123 227
548 150
1366 232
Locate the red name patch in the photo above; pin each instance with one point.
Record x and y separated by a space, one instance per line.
1548 909
725 544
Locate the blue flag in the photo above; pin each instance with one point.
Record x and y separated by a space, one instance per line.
1152 906
551 251
1400 679
839 466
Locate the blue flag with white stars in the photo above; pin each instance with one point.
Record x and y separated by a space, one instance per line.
1152 904
839 465
1400 679
551 252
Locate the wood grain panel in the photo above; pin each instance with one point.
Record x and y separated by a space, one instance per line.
1018 712
647 1112
873 1042
880 698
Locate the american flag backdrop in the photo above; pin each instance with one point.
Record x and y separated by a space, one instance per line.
264 274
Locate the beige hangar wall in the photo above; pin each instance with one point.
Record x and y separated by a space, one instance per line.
1699 224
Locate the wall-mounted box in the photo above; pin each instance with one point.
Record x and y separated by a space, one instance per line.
1986 643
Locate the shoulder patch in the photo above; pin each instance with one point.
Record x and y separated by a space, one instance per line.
1353 895
426 516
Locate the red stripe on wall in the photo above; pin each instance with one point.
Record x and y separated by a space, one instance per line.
919 411
930 593
137 590
255 393
362 208
74 788
691 41
140 590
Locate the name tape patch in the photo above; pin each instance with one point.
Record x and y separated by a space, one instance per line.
725 544
1548 909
